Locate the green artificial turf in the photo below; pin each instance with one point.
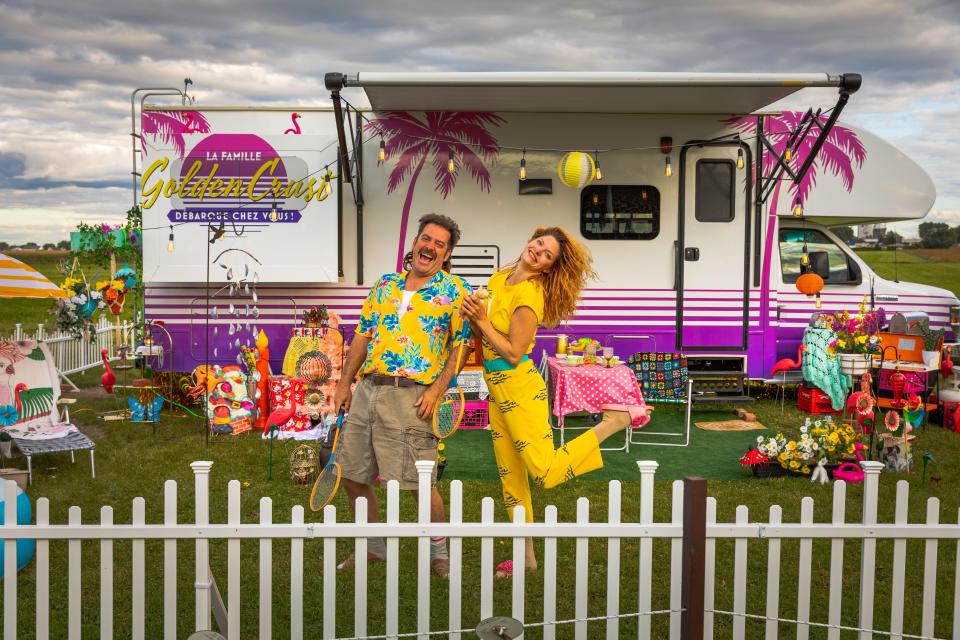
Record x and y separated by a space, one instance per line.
709 454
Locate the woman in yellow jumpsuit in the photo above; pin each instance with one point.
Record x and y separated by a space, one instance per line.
541 287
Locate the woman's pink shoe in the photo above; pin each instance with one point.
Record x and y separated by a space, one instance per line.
505 569
639 413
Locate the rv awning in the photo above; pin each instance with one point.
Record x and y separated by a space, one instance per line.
571 92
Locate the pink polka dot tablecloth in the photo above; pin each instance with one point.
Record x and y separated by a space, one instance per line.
585 387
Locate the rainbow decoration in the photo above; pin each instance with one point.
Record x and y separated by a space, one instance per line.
576 169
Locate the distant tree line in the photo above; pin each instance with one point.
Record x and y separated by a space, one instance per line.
938 235
47 246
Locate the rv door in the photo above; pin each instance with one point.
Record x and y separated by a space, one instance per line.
713 249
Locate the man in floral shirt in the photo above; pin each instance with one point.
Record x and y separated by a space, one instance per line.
405 349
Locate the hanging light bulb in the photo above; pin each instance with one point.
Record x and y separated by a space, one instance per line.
805 259
788 154
383 150
273 213
739 158
170 246
451 167
643 194
797 208
596 198
668 170
596 161
326 183
523 165
816 302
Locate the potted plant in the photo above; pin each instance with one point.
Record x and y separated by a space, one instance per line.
823 439
932 343
6 444
857 338
316 317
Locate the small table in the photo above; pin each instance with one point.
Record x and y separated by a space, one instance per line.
587 386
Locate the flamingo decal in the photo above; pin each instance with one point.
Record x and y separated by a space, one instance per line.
440 134
31 403
295 129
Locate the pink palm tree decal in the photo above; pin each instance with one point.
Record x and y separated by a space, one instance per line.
840 151
170 126
414 140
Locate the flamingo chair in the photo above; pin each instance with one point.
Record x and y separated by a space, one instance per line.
30 386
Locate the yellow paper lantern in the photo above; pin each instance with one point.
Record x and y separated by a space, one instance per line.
576 169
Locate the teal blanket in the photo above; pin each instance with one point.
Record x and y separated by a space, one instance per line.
823 369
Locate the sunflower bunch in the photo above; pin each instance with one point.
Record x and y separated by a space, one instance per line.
821 439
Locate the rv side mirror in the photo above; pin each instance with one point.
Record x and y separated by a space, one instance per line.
820 264
856 275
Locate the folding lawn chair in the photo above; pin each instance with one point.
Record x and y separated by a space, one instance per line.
663 379
29 393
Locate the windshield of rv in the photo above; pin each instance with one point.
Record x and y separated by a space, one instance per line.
791 251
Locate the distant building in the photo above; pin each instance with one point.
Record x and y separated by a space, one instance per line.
867 232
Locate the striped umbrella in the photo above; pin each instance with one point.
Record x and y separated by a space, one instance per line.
18 280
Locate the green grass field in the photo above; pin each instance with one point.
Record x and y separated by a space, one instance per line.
939 268
134 460
30 312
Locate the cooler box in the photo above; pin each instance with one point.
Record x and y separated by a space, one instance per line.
814 401
475 415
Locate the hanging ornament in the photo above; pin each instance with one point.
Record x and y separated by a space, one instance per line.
576 169
810 284
214 313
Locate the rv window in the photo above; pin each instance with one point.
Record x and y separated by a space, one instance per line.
715 191
620 212
791 252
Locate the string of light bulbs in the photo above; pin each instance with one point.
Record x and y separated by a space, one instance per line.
328 176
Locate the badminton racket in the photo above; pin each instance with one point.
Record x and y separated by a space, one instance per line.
448 414
327 483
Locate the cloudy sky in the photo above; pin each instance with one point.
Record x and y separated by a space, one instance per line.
67 70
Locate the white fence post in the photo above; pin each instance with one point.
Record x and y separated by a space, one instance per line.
645 597
868 556
424 474
43 572
9 561
201 480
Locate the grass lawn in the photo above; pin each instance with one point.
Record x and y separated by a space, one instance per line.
936 267
133 460
31 312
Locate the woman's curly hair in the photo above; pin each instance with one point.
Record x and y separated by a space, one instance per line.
564 281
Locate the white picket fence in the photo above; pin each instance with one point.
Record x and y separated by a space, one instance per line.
291 538
73 354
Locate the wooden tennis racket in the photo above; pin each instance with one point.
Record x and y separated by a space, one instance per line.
328 482
448 414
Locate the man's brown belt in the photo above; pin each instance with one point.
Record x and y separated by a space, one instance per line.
392 381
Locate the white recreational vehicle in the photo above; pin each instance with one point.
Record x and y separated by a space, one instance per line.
692 225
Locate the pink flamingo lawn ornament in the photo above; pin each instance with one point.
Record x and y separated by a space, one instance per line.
851 471
108 379
295 129
784 365
946 363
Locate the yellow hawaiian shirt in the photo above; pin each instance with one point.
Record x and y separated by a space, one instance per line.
415 345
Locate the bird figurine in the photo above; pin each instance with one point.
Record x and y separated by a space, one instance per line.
280 416
108 379
786 364
946 363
